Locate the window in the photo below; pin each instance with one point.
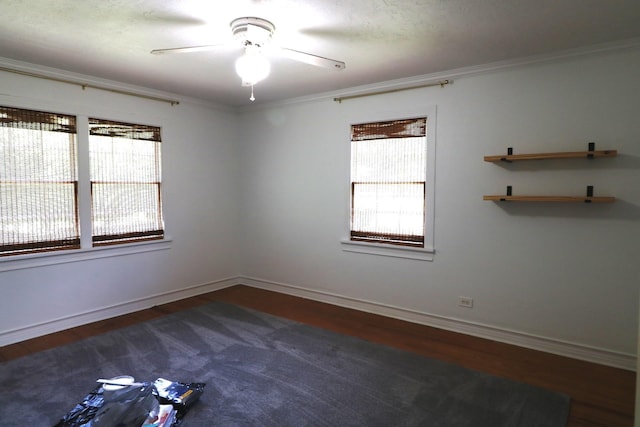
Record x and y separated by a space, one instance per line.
391 187
388 174
38 182
45 207
125 182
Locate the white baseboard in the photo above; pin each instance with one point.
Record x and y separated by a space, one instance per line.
549 345
40 329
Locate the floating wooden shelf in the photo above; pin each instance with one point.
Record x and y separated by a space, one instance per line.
589 154
565 199
543 156
589 198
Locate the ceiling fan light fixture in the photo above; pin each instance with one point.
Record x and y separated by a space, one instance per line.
252 67
252 31
254 35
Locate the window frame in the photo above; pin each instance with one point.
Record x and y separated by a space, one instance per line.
37 130
110 133
423 253
86 251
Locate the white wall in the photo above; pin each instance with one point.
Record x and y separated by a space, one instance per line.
566 273
200 175
268 201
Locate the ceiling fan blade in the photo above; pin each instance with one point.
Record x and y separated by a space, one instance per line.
318 61
185 49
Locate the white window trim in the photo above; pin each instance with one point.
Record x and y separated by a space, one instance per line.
427 252
386 249
40 259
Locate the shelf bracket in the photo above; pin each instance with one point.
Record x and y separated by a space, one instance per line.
509 153
589 193
509 193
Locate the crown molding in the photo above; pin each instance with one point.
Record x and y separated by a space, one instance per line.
30 70
463 72
389 85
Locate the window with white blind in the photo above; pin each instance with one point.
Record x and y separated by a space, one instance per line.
125 182
38 182
388 174
391 186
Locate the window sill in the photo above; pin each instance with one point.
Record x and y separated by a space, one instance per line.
19 262
382 249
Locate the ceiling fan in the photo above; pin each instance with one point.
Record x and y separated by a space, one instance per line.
254 35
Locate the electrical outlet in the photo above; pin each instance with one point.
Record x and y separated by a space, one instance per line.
465 302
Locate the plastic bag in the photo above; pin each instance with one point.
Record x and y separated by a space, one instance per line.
83 412
180 395
125 407
135 405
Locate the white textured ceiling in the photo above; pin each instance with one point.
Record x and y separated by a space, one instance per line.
379 40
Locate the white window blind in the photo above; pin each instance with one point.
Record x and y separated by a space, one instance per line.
388 174
125 182
38 182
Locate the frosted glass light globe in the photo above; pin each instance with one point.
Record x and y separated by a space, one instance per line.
252 67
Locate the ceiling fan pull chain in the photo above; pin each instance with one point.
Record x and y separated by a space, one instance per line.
252 98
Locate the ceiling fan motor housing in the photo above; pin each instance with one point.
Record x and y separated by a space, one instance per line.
252 31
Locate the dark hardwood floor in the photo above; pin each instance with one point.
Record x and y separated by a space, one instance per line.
600 395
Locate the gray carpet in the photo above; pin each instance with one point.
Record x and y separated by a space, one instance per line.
263 370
